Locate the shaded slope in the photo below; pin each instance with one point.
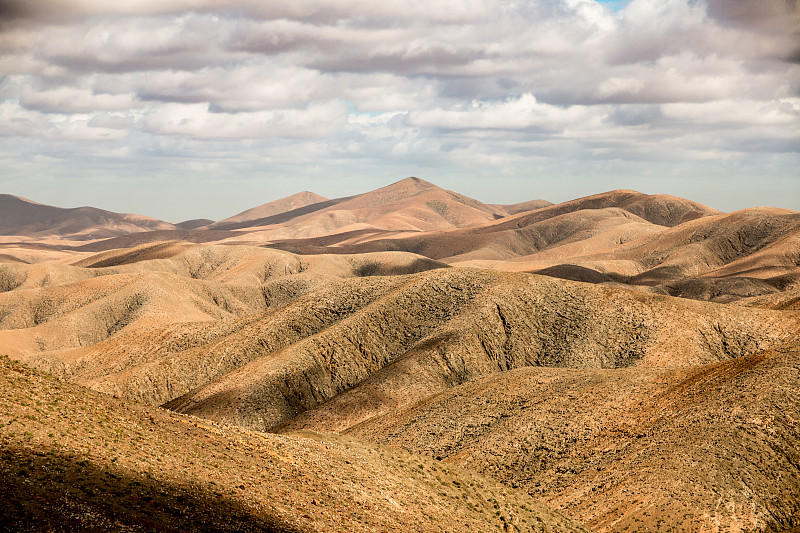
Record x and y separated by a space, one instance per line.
711 448
531 232
19 216
256 215
71 460
530 205
194 223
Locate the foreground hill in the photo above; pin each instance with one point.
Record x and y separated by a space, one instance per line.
21 217
74 460
711 448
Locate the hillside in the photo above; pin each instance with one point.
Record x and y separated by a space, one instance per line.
75 460
665 244
21 217
710 448
256 215
410 205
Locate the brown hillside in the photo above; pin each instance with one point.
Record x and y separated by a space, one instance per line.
74 460
51 307
389 343
530 205
284 205
22 217
711 448
194 223
410 205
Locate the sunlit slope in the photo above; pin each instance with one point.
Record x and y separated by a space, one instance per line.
710 448
75 460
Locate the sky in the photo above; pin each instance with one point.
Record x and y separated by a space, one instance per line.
181 109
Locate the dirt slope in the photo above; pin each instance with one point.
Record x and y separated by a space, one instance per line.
22 217
74 460
254 215
53 306
711 448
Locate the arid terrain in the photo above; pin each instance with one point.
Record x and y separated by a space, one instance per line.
404 359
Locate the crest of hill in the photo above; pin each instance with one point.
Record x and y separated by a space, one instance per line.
530 205
75 460
545 227
22 217
410 205
254 215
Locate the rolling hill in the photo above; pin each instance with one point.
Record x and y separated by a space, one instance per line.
397 342
709 448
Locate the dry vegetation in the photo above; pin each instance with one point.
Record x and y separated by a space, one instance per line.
75 460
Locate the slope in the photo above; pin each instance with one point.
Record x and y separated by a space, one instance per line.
410 205
709 448
349 350
74 460
255 215
22 217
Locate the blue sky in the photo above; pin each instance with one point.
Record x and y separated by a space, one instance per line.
181 109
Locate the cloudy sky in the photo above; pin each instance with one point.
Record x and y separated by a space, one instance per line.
182 109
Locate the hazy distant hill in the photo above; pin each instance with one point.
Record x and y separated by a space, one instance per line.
22 217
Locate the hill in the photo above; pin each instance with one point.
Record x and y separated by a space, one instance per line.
410 205
257 215
21 217
709 448
74 460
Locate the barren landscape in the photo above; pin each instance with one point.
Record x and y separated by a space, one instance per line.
408 358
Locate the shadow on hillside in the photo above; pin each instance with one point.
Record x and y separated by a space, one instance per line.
48 491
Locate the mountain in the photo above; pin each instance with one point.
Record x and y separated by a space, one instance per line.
194 223
410 205
544 349
21 217
530 205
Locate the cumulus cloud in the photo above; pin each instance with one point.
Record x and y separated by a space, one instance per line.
501 84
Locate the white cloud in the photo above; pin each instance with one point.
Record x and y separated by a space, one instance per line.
459 86
197 121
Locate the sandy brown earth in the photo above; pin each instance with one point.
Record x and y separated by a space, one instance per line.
75 460
25 218
563 366
711 448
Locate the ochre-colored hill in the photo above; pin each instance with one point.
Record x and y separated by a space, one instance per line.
75 460
22 217
708 448
530 205
53 306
